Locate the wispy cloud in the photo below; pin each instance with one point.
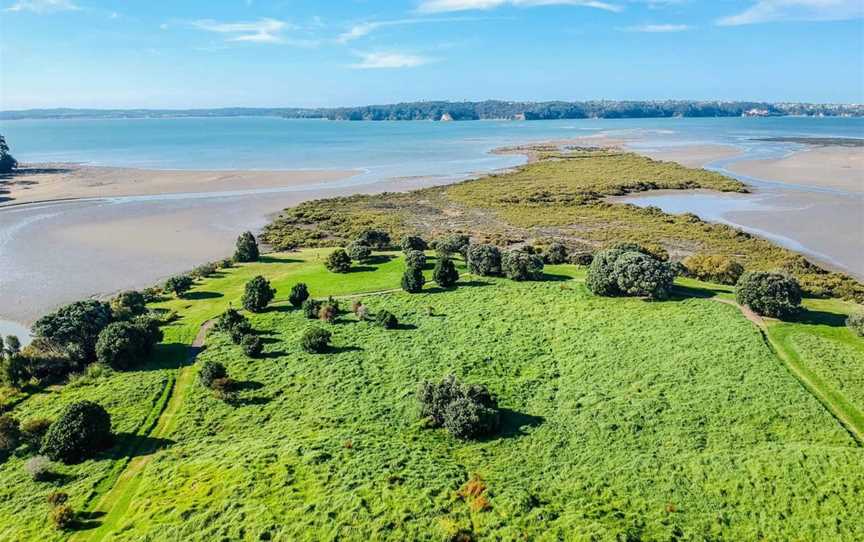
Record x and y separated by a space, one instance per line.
260 31
765 11
381 60
441 6
658 28
365 28
43 6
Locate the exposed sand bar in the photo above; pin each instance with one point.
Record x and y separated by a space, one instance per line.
834 167
691 155
50 182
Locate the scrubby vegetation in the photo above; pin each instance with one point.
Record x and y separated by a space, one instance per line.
721 269
769 294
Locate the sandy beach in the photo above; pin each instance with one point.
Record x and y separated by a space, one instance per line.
51 182
834 167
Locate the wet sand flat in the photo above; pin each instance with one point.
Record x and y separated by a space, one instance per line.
835 167
692 155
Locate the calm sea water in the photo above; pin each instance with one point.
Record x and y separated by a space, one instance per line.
43 264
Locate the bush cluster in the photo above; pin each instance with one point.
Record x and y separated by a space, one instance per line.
358 251
38 468
855 322
712 268
252 346
619 271
413 242
415 258
211 371
455 243
240 331
315 340
312 308
338 261
179 285
125 345
520 265
484 260
769 294
377 239
582 258
126 305
75 328
465 411
82 429
10 434
247 248
556 254
258 294
445 273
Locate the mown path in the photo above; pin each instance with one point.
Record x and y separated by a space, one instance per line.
836 403
113 504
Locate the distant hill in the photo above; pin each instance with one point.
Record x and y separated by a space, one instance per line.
486 110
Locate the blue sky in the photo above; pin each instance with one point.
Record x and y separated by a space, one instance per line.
197 53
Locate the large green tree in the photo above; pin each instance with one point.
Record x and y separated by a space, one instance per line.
7 161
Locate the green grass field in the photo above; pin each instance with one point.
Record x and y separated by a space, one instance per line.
624 420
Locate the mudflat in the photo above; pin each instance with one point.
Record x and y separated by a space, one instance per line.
835 167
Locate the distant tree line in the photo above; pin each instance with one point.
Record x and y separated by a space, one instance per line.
489 109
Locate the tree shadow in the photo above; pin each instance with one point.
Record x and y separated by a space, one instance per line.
273 259
378 259
170 356
85 521
513 423
552 277
133 445
247 401
681 293
244 385
276 354
362 268
405 327
474 284
194 296
343 349
819 318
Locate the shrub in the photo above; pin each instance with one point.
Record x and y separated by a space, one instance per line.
205 270
299 294
582 258
653 250
62 516
247 248
769 294
452 244
211 371
328 312
465 411
556 254
75 327
179 285
445 274
38 468
412 242
312 308
375 238
225 263
484 260
230 319
639 274
83 429
12 345
712 268
315 340
413 279
124 345
33 431
56 498
252 346
338 261
519 265
855 322
225 389
358 251
10 434
258 294
601 278
415 258
240 332
387 320
128 304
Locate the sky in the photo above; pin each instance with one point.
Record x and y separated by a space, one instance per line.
304 53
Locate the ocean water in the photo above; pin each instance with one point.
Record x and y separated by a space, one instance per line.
45 260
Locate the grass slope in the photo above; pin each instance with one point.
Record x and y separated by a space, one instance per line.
624 420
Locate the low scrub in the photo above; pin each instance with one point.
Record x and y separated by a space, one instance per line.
358 251
712 268
315 340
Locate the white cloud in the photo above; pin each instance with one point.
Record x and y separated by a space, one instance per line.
43 6
440 6
366 28
658 28
260 31
389 60
765 11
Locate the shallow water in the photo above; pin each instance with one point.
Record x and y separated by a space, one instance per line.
57 253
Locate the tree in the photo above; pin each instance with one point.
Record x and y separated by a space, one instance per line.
415 258
413 279
82 429
639 274
445 274
124 345
179 285
484 260
374 238
519 265
75 327
311 308
299 294
556 254
12 345
252 346
713 268
315 340
413 242
230 319
7 161
769 294
211 371
258 294
10 434
601 278
247 248
386 319
358 251
128 304
855 322
455 243
338 261
465 411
